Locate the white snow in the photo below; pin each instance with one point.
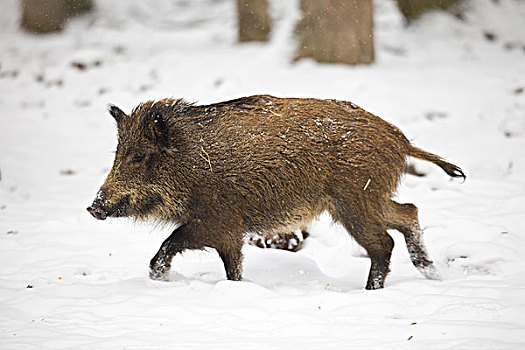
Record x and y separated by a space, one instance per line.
69 281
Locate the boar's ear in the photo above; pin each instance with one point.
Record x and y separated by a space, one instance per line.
156 129
117 113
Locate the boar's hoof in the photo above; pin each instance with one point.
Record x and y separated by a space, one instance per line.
159 273
429 272
374 285
375 282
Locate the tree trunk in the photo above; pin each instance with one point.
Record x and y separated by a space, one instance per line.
412 9
254 20
336 31
42 16
77 7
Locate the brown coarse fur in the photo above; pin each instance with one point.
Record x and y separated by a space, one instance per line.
262 164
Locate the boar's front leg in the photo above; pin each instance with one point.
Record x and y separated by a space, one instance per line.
190 236
180 240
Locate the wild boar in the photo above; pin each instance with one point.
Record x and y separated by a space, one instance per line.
262 164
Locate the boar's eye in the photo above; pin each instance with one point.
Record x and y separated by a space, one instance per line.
137 158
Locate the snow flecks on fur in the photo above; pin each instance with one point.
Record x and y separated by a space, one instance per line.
292 241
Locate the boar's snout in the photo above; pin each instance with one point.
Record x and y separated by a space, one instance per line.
106 206
97 211
97 208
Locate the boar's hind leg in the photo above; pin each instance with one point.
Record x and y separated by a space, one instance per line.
181 239
232 258
290 241
372 236
403 217
378 244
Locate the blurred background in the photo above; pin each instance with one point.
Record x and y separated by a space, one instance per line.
451 69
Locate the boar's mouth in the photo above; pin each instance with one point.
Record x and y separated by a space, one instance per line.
120 208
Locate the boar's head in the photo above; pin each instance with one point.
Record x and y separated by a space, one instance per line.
136 185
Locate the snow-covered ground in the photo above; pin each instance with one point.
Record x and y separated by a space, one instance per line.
69 281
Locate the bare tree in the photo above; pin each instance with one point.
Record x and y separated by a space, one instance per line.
336 31
254 20
412 9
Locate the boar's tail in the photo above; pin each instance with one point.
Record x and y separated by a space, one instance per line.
451 169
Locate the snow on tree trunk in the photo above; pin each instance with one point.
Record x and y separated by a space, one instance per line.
254 20
336 31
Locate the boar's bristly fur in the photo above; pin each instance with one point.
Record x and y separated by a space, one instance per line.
262 164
